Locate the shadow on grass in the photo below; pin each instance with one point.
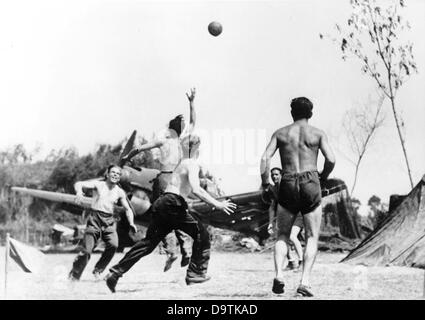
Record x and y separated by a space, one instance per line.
237 295
247 270
130 290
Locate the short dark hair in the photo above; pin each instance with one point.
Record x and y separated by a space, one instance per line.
276 168
112 166
301 108
176 124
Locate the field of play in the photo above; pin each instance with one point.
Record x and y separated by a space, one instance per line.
234 276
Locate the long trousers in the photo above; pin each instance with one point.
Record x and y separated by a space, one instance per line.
169 242
169 213
95 230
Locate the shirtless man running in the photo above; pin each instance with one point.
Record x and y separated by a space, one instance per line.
169 143
170 212
299 190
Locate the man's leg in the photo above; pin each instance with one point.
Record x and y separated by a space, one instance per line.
185 242
155 233
292 257
312 228
110 237
197 270
169 243
297 244
285 221
170 248
91 236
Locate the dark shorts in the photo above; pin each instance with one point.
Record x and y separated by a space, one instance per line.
300 192
170 203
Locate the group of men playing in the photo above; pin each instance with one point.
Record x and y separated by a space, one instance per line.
297 201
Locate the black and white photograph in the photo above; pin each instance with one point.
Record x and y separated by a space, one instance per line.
212 151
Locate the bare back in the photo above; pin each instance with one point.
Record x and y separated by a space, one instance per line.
298 146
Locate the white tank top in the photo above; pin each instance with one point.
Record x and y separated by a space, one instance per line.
105 198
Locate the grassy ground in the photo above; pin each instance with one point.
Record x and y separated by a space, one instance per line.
234 276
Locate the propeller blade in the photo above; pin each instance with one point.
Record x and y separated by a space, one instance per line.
128 147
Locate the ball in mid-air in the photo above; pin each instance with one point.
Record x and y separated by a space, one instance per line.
215 28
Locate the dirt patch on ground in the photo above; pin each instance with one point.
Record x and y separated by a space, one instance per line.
234 276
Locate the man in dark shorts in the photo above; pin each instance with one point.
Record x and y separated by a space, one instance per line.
295 251
170 212
299 191
101 223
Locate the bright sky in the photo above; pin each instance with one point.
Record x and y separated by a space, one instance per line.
79 73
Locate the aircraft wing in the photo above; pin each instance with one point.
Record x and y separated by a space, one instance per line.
63 198
54 196
250 216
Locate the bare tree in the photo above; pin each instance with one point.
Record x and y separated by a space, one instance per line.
372 34
360 125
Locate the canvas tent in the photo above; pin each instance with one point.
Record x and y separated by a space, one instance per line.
338 217
400 239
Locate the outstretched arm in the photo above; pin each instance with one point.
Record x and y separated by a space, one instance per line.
144 147
193 177
192 120
327 152
265 160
